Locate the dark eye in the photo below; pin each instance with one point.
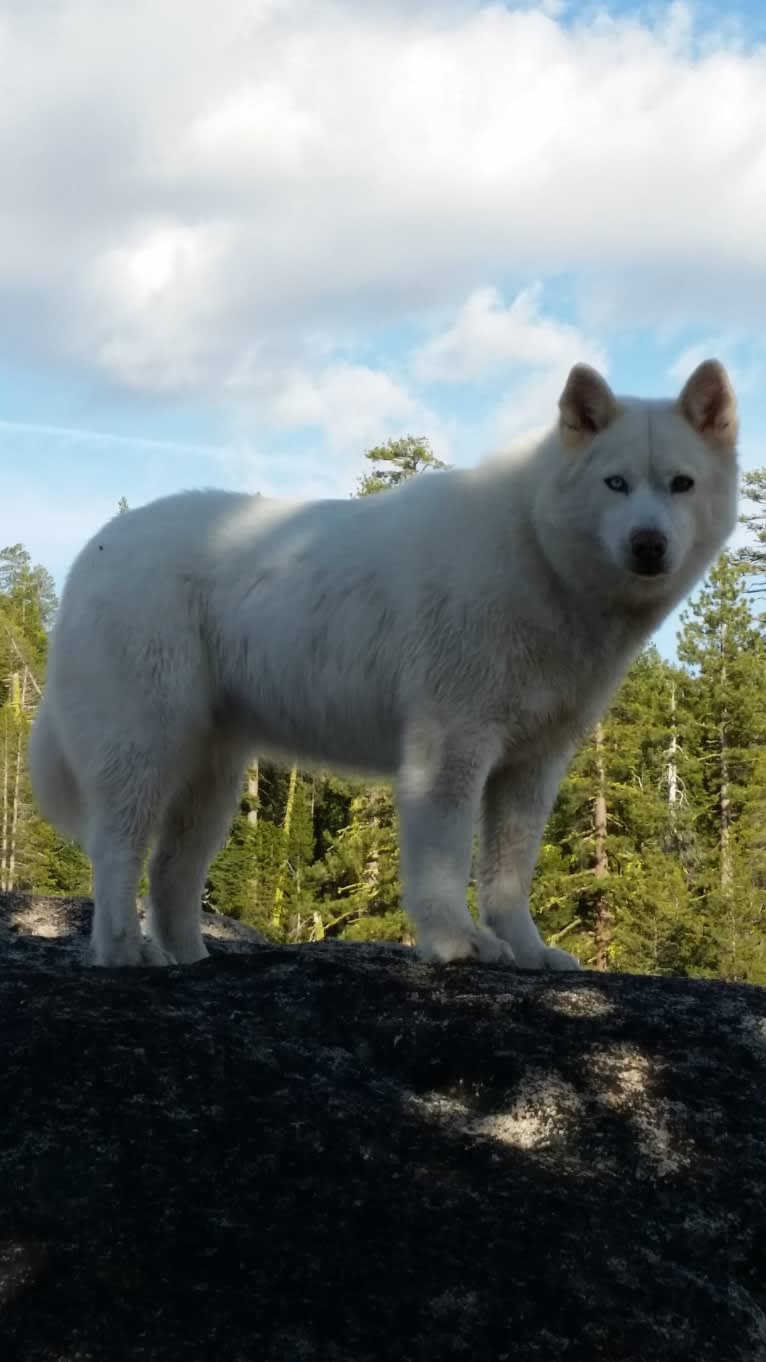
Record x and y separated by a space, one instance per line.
681 483
616 483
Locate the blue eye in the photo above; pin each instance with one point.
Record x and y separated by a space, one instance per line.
616 483
681 483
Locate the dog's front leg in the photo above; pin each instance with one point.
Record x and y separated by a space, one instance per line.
515 805
439 794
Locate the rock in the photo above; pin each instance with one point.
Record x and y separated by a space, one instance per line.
42 928
333 1153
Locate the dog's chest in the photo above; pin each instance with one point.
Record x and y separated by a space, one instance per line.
557 681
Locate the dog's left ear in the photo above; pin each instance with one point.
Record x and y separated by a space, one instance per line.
586 406
709 405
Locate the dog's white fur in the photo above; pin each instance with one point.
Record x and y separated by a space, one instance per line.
461 632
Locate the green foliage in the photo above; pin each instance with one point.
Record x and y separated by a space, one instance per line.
723 700
395 461
27 606
243 877
356 881
668 738
753 556
259 874
32 856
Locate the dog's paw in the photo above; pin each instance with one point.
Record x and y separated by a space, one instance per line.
536 955
556 959
152 954
189 952
130 953
547 958
472 945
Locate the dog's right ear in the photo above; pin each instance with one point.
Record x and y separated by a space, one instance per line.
586 406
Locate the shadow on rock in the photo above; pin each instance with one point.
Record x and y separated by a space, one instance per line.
333 1152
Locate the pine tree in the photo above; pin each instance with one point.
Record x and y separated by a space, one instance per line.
653 837
32 856
27 605
260 875
610 878
356 882
753 556
396 461
723 698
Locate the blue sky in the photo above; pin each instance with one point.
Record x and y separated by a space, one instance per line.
242 243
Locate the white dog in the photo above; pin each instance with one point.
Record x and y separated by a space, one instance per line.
461 632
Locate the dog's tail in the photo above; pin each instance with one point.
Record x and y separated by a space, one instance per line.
53 780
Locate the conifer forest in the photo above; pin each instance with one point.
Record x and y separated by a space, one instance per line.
654 857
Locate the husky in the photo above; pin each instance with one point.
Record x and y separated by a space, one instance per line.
460 633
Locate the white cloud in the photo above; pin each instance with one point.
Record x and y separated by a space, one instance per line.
518 343
745 362
487 337
354 405
150 309
351 406
712 347
184 181
103 441
527 406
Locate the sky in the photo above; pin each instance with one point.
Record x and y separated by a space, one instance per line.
241 243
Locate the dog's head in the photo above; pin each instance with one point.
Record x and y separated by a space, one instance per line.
651 484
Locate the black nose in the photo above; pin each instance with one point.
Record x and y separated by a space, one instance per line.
648 547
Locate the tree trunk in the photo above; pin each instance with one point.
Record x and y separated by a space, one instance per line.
602 928
253 791
22 700
277 916
4 843
672 768
725 815
725 800
254 795
371 873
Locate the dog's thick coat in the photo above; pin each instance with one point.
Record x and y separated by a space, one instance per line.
461 632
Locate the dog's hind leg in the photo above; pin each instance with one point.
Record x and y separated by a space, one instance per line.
122 792
192 828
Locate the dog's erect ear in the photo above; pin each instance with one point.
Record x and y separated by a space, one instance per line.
587 405
709 405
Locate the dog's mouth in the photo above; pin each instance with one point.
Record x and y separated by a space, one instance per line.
643 569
